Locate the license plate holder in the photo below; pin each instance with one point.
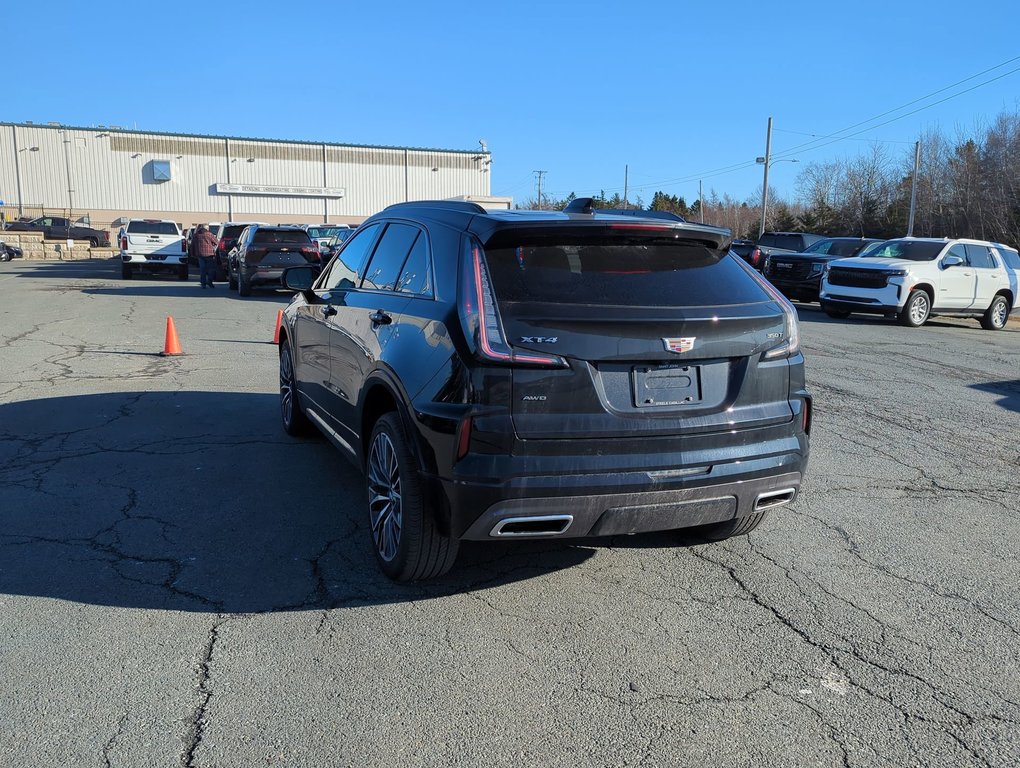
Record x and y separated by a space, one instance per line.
671 385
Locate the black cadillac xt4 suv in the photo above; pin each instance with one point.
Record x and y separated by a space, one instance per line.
523 374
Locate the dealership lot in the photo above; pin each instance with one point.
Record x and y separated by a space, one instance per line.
181 583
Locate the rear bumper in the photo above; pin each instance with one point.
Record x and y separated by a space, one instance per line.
141 259
621 502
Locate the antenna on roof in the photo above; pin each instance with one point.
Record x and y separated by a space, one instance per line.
581 205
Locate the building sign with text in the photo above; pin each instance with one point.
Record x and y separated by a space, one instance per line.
264 189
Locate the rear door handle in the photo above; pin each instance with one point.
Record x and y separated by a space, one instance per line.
328 311
380 318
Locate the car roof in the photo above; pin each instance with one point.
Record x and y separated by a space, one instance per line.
471 217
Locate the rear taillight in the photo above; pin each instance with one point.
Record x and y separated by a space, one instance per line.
756 256
480 319
312 253
806 417
790 345
222 245
184 245
123 243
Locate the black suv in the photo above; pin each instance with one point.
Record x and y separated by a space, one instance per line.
262 253
519 374
799 275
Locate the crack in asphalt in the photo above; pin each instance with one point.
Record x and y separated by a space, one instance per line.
197 723
112 741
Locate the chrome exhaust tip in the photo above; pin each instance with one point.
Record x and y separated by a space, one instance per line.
540 525
771 499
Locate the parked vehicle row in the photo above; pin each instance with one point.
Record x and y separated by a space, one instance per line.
909 279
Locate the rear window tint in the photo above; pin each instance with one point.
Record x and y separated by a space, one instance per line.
637 275
281 236
233 232
1012 258
152 228
790 242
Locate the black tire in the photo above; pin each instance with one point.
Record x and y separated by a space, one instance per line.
295 422
125 271
407 544
94 242
837 314
916 311
182 272
738 526
231 280
243 286
4 256
997 314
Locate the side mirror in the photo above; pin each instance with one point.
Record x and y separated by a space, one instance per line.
951 261
299 278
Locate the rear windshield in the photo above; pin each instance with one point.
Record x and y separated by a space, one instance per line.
232 231
789 242
912 250
620 274
281 236
152 228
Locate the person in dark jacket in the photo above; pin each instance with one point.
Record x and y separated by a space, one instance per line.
204 245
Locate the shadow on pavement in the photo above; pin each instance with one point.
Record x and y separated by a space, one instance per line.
1008 390
197 501
185 289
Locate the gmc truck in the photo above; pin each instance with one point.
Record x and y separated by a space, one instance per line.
778 242
57 228
153 245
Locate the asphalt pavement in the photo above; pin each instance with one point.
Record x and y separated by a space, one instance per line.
182 584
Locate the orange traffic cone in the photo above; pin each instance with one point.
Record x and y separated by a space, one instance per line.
279 322
172 345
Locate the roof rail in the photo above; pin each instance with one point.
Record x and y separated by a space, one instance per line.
464 206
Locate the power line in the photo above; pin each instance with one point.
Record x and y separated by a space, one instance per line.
807 146
828 136
905 114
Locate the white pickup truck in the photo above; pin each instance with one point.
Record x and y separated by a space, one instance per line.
153 245
914 278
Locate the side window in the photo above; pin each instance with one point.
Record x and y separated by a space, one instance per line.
389 257
958 250
416 276
979 256
343 272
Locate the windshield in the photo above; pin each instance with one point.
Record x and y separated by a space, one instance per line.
322 232
835 247
912 250
596 272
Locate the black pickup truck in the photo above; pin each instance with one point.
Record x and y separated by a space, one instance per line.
57 228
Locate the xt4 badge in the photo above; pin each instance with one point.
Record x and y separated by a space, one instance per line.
539 339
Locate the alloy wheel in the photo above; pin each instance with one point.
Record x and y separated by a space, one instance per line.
919 309
384 507
286 386
999 313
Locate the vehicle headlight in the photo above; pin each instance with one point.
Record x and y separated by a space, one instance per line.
896 273
817 268
825 270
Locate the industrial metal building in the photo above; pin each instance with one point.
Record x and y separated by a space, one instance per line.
109 173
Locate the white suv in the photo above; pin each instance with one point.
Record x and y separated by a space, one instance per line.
914 278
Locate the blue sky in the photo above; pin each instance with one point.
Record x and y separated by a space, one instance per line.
674 90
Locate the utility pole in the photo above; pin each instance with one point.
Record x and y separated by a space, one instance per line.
540 175
67 168
913 189
765 183
626 173
701 201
